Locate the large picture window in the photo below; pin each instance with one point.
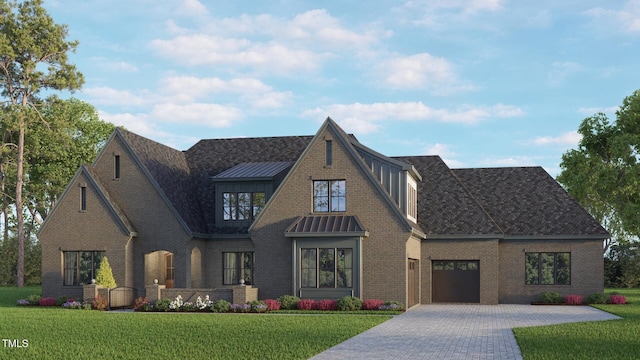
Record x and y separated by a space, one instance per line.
80 267
237 266
329 196
326 268
243 205
548 268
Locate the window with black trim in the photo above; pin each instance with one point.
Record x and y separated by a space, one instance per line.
83 198
328 152
237 266
242 205
329 196
326 267
548 268
80 267
116 167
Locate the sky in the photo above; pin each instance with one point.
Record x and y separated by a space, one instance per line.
481 83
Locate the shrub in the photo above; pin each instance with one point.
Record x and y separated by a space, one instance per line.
258 306
163 304
305 304
62 299
240 308
327 305
550 297
33 299
597 298
349 303
23 302
372 304
572 299
49 301
288 302
272 305
71 304
392 305
105 275
617 299
221 306
141 304
100 303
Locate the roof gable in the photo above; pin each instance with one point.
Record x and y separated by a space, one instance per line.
527 201
93 180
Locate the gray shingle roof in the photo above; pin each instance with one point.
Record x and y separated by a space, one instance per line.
445 207
527 201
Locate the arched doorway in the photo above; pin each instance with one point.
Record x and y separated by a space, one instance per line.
159 265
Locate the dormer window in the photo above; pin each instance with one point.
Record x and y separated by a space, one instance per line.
329 196
243 205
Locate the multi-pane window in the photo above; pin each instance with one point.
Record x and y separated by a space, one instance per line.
329 195
326 268
412 202
237 266
548 268
80 267
243 205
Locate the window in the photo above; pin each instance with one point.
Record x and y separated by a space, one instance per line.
412 202
80 267
548 268
326 268
329 196
83 198
237 265
243 205
169 267
329 152
116 166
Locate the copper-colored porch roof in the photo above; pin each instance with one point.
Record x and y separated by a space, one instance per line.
326 225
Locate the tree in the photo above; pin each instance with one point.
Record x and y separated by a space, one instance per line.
105 275
603 174
33 58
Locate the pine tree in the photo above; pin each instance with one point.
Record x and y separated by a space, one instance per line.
105 275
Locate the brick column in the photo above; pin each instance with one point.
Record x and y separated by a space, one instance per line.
154 292
90 292
243 294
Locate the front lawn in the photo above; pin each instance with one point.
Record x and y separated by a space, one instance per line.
55 333
615 339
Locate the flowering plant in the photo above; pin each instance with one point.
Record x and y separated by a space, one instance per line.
23 302
48 301
203 304
72 305
100 303
141 304
272 304
240 308
573 299
305 304
176 304
326 305
372 304
617 299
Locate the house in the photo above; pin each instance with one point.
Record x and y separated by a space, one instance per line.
318 217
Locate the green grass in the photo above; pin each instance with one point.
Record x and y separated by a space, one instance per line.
55 333
615 339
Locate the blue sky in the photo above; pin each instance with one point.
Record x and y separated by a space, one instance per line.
482 83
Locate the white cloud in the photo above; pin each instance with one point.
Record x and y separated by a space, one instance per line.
561 70
421 71
210 115
209 50
508 161
116 66
626 19
446 152
192 7
365 118
594 110
571 138
103 95
440 13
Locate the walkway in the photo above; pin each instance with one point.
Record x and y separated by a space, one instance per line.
456 332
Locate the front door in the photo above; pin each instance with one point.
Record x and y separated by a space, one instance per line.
413 283
456 281
168 270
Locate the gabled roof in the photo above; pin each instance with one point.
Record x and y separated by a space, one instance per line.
122 221
168 170
445 207
527 201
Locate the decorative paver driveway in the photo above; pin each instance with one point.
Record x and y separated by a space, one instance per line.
456 332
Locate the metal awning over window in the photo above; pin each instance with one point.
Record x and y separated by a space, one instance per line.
326 225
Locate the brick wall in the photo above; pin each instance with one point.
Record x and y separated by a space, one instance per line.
587 268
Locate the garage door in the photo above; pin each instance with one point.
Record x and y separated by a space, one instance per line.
456 281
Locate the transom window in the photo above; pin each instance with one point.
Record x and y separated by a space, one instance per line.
329 196
326 268
243 205
548 268
80 267
237 266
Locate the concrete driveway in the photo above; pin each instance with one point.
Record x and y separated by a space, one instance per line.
456 332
